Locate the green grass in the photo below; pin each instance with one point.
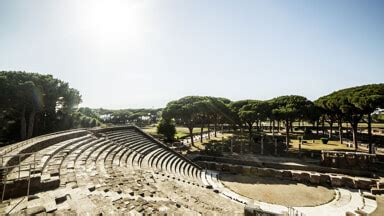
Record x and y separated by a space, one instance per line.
183 131
318 145
180 131
219 138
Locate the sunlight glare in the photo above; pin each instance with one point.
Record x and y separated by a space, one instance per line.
112 21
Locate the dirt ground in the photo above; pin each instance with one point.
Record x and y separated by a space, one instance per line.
277 191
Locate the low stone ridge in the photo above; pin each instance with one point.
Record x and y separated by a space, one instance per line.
333 180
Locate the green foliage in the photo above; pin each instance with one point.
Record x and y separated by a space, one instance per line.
167 128
237 115
353 103
124 116
35 103
194 111
290 108
254 111
378 117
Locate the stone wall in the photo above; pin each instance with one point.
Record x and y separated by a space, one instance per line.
294 175
19 187
354 160
313 168
253 210
41 144
132 127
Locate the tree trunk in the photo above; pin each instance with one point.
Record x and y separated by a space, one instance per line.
201 133
370 133
270 126
354 134
330 130
23 125
250 129
287 133
291 126
323 126
31 123
273 128
340 124
209 132
191 136
215 128
317 127
278 126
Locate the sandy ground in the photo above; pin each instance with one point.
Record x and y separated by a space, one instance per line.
277 191
380 206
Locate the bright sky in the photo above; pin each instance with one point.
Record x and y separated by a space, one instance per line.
144 53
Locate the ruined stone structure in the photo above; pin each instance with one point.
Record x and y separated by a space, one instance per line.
124 170
351 160
113 170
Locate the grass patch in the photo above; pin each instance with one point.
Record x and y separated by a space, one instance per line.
180 131
219 138
318 145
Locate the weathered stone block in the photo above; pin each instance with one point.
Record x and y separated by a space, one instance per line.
364 184
376 191
369 195
325 179
350 213
296 176
254 170
247 170
253 210
50 183
361 212
314 179
277 173
287 174
264 172
380 184
348 182
336 181
35 210
305 177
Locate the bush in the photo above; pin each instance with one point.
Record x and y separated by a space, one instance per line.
324 140
167 128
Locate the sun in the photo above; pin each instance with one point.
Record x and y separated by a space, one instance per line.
108 21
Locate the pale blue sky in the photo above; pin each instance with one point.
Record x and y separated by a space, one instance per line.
143 53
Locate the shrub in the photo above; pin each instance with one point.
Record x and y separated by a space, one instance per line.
167 128
324 140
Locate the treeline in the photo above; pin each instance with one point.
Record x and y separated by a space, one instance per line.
351 105
123 116
33 104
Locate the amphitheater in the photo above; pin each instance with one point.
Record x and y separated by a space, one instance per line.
123 170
